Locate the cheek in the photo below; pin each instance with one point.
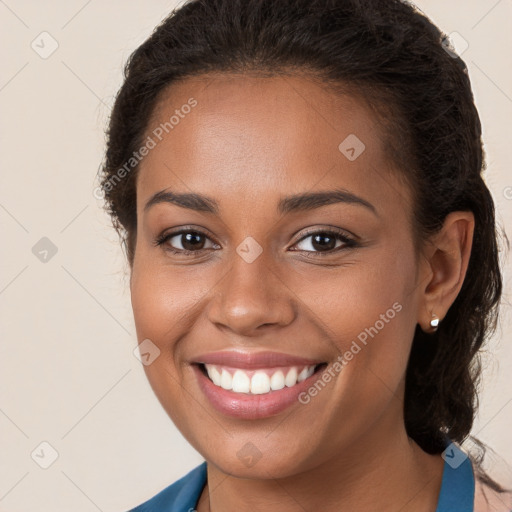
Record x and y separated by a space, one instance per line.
163 304
367 312
348 301
382 316
164 301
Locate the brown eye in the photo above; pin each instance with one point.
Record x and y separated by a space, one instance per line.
325 242
191 241
185 241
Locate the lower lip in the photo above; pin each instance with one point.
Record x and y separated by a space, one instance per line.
252 407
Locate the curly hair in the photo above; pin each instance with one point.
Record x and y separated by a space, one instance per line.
401 64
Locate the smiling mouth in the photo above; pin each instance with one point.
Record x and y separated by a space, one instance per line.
260 381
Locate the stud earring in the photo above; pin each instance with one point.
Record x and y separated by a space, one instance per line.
434 323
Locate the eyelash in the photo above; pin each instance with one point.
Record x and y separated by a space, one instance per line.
338 234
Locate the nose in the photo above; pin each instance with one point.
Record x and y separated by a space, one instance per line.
251 298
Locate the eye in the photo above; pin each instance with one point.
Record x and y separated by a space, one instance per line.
191 242
185 241
325 242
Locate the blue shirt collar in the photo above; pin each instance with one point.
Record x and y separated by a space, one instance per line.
457 487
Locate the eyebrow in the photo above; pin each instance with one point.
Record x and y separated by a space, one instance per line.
295 203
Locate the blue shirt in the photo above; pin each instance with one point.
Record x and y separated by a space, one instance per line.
456 495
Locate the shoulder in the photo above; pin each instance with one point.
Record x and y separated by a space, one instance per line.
181 495
488 499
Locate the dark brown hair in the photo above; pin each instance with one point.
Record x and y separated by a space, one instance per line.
402 64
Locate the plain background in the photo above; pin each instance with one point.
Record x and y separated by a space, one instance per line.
68 373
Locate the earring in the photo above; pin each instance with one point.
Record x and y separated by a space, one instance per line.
434 323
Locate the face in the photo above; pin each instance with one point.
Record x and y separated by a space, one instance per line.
294 251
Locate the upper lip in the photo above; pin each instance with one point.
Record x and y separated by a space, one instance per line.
252 360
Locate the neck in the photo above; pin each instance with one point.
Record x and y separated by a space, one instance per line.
378 472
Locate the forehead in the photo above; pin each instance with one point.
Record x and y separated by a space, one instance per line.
254 136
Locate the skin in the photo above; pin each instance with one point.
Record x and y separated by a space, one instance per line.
249 142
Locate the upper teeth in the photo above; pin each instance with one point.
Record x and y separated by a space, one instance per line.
259 381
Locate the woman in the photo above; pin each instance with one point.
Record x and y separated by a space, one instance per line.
313 254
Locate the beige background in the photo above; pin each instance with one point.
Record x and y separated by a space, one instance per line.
67 369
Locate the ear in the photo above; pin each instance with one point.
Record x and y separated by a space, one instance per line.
444 265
